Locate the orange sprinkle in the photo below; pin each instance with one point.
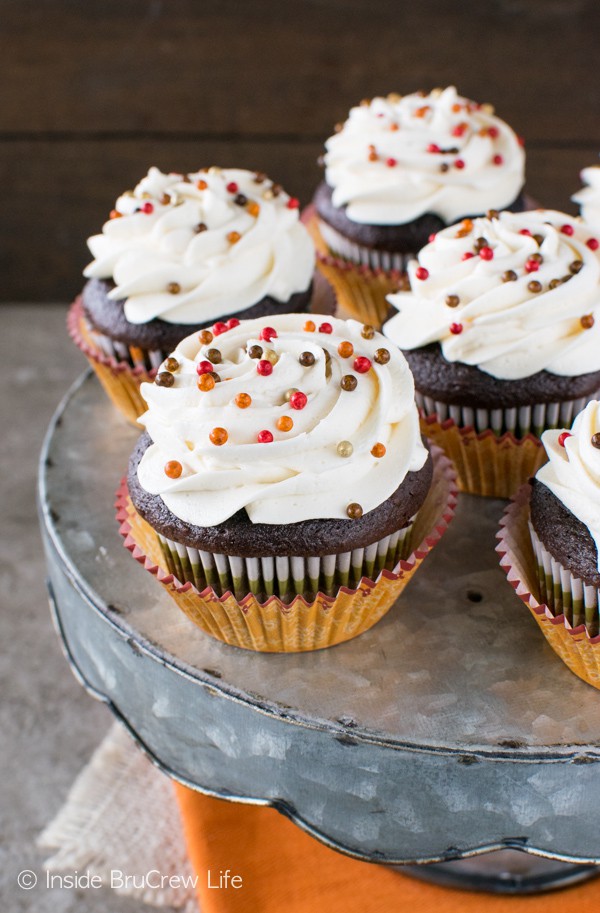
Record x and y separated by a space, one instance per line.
310 326
233 237
345 349
253 208
173 469
218 436
421 112
285 423
205 337
115 214
206 382
243 400
201 185
378 450
465 229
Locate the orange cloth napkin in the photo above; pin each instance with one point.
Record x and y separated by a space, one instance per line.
283 869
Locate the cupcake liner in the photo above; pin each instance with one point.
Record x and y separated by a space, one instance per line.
361 287
494 451
363 256
570 625
307 622
121 371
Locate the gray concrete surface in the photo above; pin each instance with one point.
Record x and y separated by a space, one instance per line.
49 726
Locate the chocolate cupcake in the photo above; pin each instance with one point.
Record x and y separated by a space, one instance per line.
559 514
283 473
400 169
501 329
588 197
182 252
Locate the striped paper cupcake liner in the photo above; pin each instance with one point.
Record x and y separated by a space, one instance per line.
307 620
565 608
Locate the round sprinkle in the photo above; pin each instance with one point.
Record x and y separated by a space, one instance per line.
253 209
148 208
272 356
354 511
554 283
563 437
348 382
255 352
431 237
243 400
233 237
452 301
345 449
201 185
240 199
459 163
595 441
232 187
173 469
486 253
293 203
267 334
218 436
433 148
534 286
362 364
509 276
264 437
378 450
215 377
173 288
204 367
309 326
345 349
325 328
539 239
498 160
593 243
575 266
214 355
456 329
444 167
493 132
115 214
468 255
206 382
587 321
264 367
526 232
260 177
306 359
481 242
219 327
531 266
298 400
382 356
421 273
367 331
164 379
289 393
171 364
284 423
567 229
537 258
493 214
391 162
459 129
200 227
205 337
232 323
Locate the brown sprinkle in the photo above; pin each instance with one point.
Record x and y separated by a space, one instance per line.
173 288
587 321
348 382
205 337
534 286
539 238
255 351
444 167
554 283
509 276
200 227
354 511
171 364
452 301
214 356
575 266
165 379
537 258
596 440
493 214
382 356
306 359
367 331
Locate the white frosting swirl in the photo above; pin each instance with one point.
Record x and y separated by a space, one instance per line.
299 475
396 159
573 471
588 197
506 328
147 250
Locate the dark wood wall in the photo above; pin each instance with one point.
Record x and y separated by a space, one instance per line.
92 92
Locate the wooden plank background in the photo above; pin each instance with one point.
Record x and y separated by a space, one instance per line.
94 91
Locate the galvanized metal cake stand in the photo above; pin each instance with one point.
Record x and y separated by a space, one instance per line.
449 738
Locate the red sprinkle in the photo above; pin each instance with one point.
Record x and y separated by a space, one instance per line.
498 160
391 162
525 231
467 255
486 253
433 147
232 322
219 328
521 140
456 329
264 367
362 364
298 400
493 132
531 266
325 328
421 273
205 367
563 437
148 208
293 203
232 187
267 334
431 238
264 437
459 164
459 129
592 243
567 229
